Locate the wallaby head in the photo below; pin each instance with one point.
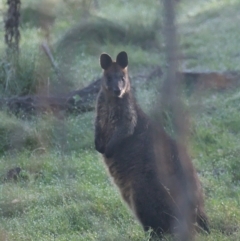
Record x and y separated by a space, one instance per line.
115 76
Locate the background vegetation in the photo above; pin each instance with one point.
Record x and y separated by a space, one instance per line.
63 191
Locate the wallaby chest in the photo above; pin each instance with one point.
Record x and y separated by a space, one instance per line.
112 112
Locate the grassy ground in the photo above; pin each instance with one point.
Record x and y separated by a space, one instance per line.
64 192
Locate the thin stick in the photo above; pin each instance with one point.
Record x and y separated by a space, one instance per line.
48 52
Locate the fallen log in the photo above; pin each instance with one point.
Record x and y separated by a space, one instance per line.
210 80
83 100
76 101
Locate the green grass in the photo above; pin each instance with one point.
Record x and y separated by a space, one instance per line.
66 202
64 191
209 37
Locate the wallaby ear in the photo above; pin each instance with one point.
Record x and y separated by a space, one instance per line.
122 59
105 61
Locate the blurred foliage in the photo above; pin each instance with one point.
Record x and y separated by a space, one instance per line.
100 30
73 29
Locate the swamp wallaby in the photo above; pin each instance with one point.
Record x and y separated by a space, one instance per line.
153 172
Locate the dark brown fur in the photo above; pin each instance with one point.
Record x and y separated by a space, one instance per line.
153 172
